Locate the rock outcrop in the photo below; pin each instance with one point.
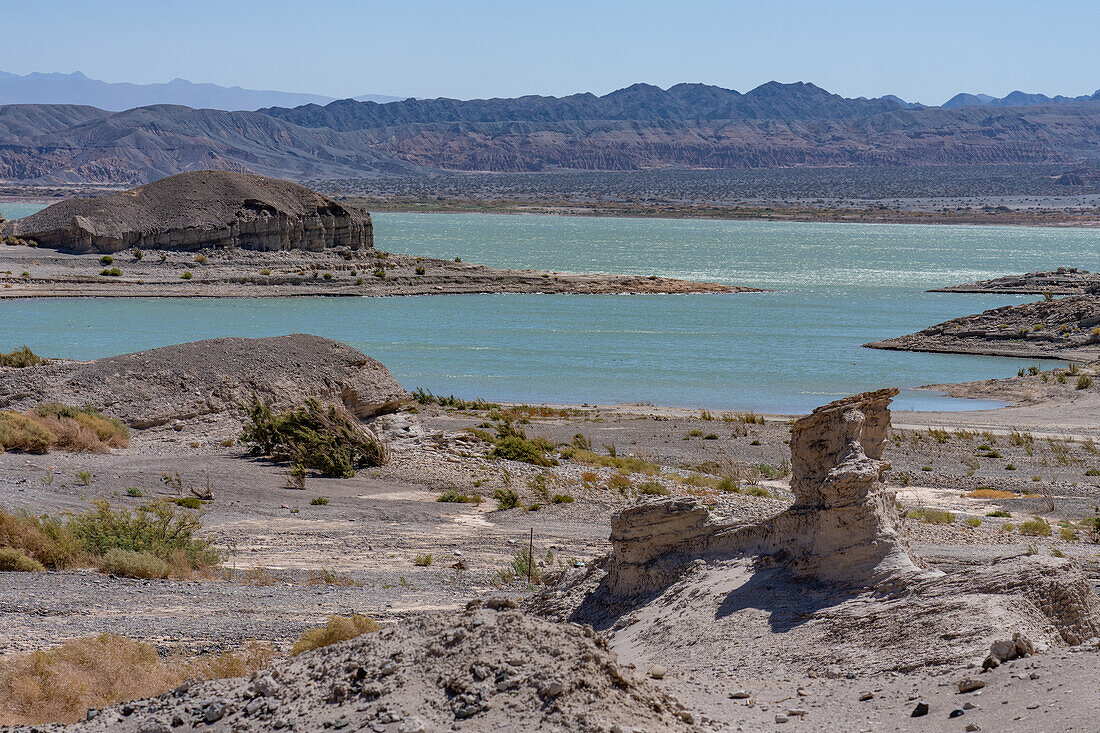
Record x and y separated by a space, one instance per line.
1063 281
1062 328
196 210
842 526
185 381
829 581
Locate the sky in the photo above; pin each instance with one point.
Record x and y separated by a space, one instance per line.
921 50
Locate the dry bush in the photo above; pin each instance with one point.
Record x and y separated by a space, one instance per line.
12 560
20 434
338 628
60 684
44 539
991 494
131 564
54 425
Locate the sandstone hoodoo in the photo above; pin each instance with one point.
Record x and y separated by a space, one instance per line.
196 210
833 573
207 378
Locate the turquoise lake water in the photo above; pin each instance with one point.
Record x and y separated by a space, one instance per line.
837 286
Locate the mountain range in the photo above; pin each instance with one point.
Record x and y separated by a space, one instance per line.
638 127
76 88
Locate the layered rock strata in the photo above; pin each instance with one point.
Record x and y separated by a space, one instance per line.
196 210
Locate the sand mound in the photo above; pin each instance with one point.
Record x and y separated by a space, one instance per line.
481 670
185 381
830 582
199 209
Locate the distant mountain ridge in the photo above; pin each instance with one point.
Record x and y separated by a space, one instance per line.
639 127
1014 99
76 88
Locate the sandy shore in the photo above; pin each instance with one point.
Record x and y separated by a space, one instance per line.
27 272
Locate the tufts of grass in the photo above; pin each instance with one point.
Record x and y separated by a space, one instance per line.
338 628
931 516
20 358
561 499
325 439
111 272
506 499
652 488
318 501
999 513
629 464
457 497
423 561
1035 527
188 502
973 522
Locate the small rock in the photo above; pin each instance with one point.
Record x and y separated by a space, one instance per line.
500 604
973 727
970 684
970 706
214 712
739 694
153 726
781 718
686 716
553 688
956 713
865 696
1033 676
412 725
920 710
657 672
797 712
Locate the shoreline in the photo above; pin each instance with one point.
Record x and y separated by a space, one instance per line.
30 272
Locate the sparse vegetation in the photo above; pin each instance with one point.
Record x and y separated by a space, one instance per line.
973 522
318 501
186 275
457 497
423 561
62 683
1084 382
931 516
111 272
325 439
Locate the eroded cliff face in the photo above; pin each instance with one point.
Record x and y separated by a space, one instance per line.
196 210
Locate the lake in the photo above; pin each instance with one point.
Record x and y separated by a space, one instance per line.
836 286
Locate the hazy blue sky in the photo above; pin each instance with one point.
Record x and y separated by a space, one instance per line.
922 50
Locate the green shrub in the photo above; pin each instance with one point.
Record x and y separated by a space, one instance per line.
623 463
423 560
106 260
21 357
653 488
112 272
420 270
931 516
12 560
757 491
973 522
319 501
1084 381
561 499
188 502
132 564
134 491
457 497
1035 527
324 439
186 275
999 513
159 528
19 433
506 499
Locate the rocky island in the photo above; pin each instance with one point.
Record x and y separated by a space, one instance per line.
1055 328
223 234
1063 281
